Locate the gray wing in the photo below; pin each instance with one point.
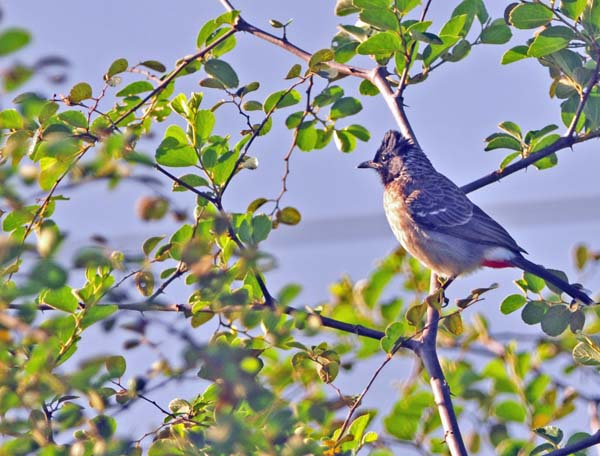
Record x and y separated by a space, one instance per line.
439 205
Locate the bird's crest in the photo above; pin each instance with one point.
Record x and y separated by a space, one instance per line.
393 144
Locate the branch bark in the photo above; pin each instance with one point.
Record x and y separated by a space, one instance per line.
427 351
578 446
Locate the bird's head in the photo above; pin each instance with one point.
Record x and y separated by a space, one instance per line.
391 156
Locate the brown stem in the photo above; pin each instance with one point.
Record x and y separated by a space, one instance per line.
441 391
165 82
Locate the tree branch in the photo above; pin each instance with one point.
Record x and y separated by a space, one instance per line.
562 143
377 76
577 446
441 391
394 101
165 82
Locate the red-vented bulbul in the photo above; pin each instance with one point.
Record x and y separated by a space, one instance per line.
437 224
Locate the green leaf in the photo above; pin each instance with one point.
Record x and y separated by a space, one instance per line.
591 109
118 66
97 313
512 303
74 118
551 433
544 448
381 18
294 71
533 312
281 99
509 159
502 141
261 227
534 283
383 43
550 40
212 83
192 180
345 7
60 298
426 37
530 15
115 365
511 411
307 136
105 426
12 39
10 119
555 320
294 119
204 123
415 313
454 324
393 333
496 33
345 107
405 6
367 88
79 92
344 141
172 153
248 88
511 128
358 131
587 351
252 105
455 26
537 387
223 72
371 3
165 447
134 88
154 65
180 406
514 54
289 216
573 8
328 96
577 321
200 318
150 243
50 170
49 274
319 57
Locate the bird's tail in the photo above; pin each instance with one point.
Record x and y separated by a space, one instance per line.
576 293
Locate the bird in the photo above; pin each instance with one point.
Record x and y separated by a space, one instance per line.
439 225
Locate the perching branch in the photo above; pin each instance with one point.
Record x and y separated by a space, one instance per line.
441 392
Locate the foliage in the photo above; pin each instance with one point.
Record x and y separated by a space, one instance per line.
268 374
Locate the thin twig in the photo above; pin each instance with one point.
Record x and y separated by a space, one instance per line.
182 66
584 97
361 396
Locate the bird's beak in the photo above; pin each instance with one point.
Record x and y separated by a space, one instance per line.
369 164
